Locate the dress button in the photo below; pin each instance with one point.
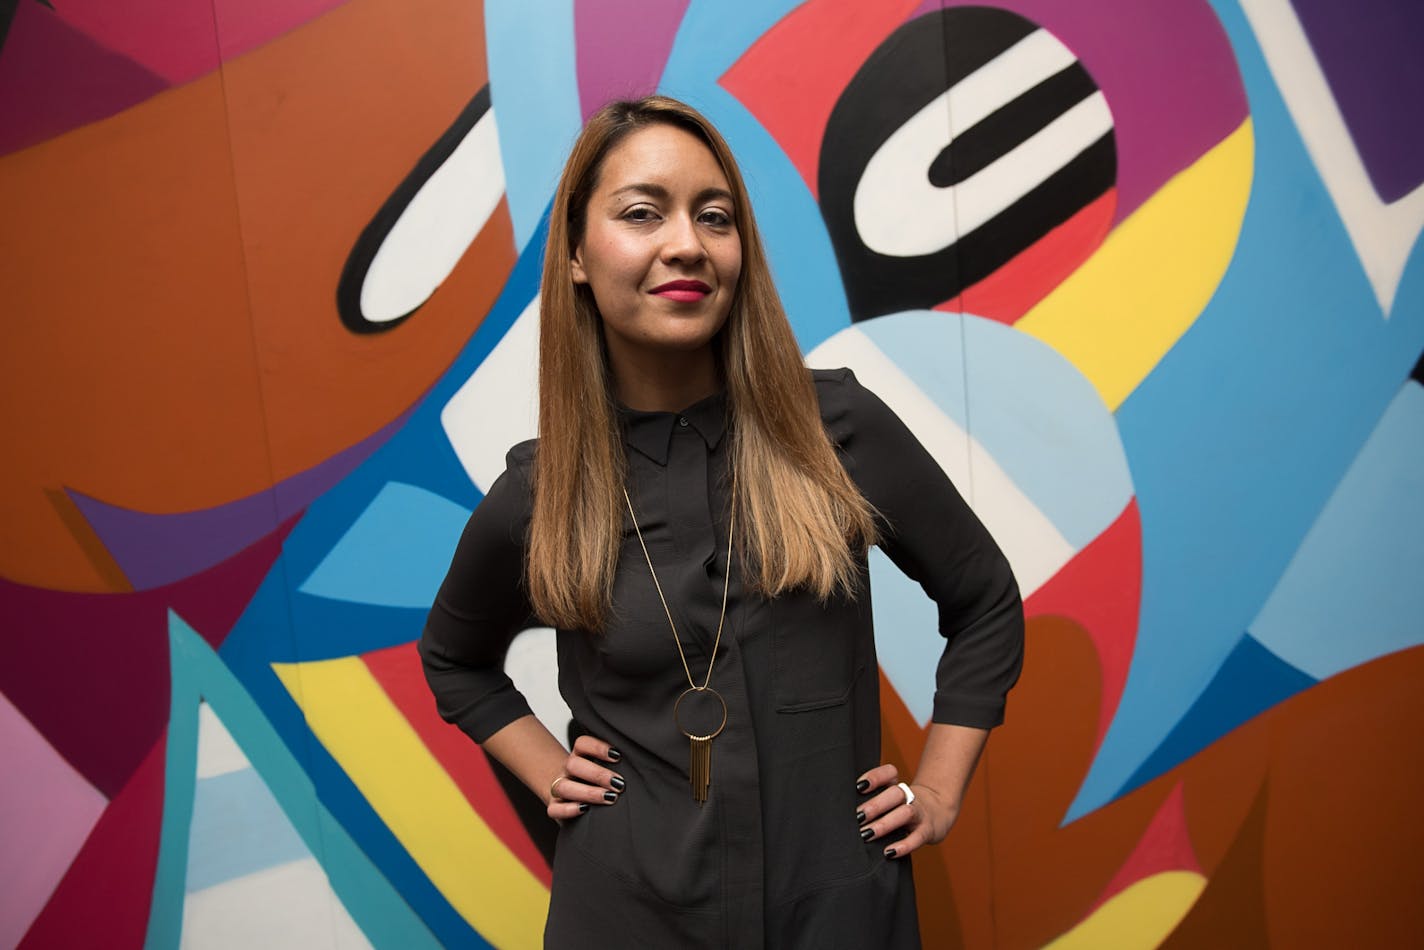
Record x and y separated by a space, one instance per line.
682 420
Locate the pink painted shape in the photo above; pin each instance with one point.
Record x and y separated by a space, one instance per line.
53 78
103 901
622 47
46 812
1164 846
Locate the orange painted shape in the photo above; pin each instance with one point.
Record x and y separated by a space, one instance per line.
1101 588
1233 905
397 670
1012 290
1164 846
792 76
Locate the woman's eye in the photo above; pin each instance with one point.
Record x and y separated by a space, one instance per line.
639 214
716 218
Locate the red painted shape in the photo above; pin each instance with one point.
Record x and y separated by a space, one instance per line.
1101 589
103 899
397 670
792 76
212 602
1012 290
1165 845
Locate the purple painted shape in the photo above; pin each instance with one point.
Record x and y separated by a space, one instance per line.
157 549
622 47
53 79
46 812
1372 55
1167 70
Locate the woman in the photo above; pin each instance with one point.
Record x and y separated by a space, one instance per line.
724 594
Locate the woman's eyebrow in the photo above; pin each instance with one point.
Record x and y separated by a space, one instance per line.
662 194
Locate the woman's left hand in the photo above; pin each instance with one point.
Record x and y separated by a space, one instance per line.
884 811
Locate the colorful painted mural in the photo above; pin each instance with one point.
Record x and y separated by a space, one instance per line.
1143 274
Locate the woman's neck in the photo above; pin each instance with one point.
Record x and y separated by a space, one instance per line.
666 383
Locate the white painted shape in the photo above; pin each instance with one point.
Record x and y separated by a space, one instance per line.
435 229
218 752
899 213
1383 234
533 663
288 906
499 404
1035 548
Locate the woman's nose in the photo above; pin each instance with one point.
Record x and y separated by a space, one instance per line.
681 242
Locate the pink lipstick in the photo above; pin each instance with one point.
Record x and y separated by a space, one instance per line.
682 291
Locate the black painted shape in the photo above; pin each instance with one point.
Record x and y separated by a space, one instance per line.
363 252
987 141
1417 374
916 64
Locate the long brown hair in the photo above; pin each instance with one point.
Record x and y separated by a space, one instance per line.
805 523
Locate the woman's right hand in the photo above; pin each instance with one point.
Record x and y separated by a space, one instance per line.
584 781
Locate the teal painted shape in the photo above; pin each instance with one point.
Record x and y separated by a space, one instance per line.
530 49
907 638
1355 590
395 553
1039 418
238 829
1251 680
197 674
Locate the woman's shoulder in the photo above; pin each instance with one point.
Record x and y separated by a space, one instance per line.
844 402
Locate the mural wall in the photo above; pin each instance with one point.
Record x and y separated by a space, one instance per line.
1143 274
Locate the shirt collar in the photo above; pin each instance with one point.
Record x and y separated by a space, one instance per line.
651 432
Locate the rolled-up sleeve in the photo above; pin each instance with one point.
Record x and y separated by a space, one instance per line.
931 534
481 606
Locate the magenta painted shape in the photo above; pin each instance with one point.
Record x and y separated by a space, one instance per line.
174 39
1372 55
46 812
622 47
104 899
53 79
90 671
157 549
244 25
1168 73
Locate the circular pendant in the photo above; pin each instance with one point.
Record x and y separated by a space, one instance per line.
700 713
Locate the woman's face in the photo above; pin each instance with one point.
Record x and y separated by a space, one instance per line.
660 248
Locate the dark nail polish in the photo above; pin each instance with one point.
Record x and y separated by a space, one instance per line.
860 818
862 785
867 833
614 755
617 783
610 797
889 852
583 807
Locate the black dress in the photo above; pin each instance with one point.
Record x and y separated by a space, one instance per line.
774 858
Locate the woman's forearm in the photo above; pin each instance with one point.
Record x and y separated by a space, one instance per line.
531 752
948 761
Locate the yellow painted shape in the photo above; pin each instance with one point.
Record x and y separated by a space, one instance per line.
1119 314
1139 917
423 807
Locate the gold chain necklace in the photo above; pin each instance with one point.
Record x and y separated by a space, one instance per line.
699 770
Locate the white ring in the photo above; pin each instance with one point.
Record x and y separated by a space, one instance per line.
909 795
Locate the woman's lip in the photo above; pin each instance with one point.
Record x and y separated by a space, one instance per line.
684 291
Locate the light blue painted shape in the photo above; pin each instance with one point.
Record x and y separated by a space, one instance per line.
713 36
238 829
395 554
1355 590
197 674
1240 435
1032 411
907 638
534 91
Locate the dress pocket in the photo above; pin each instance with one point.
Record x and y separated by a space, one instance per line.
815 654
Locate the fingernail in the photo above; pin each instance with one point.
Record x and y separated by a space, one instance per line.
860 818
583 807
617 783
613 754
610 797
862 785
889 852
867 833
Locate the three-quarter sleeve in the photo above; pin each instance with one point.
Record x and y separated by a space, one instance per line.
481 606
931 534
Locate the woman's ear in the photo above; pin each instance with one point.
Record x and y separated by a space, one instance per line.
576 266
